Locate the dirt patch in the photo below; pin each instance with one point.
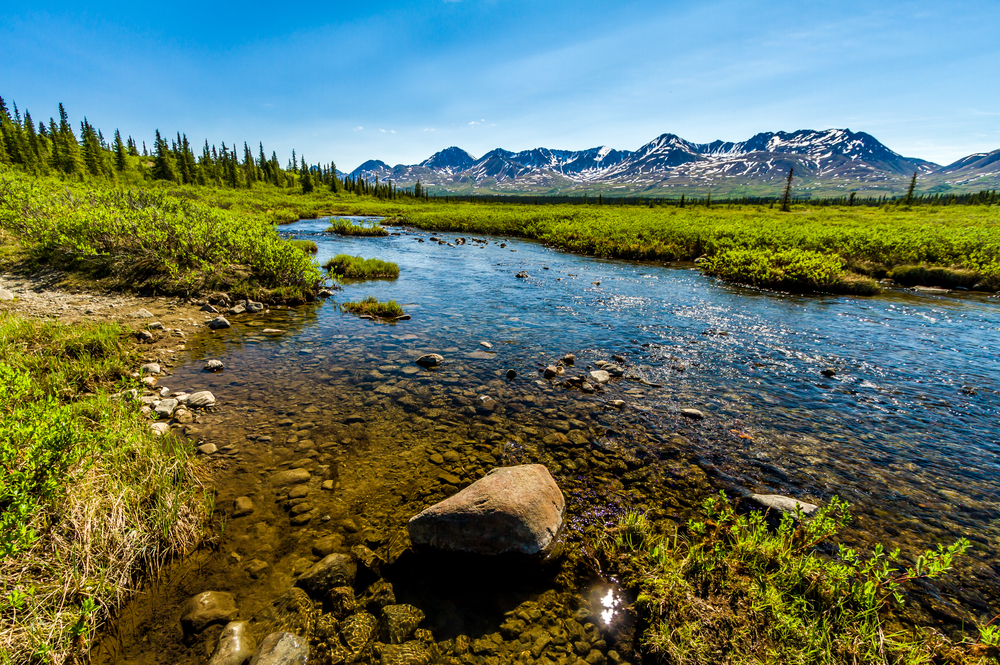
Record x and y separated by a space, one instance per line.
55 295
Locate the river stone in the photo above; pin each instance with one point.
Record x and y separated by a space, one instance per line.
517 509
782 504
243 506
209 309
600 376
254 307
272 331
159 429
358 631
413 652
218 323
430 360
333 571
290 477
399 622
553 371
202 398
235 645
328 544
207 608
150 368
6 295
141 314
214 366
208 449
282 649
694 414
165 407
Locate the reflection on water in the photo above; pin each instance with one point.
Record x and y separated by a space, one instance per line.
904 428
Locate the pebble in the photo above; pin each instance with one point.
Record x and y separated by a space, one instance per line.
430 360
6 295
150 368
208 449
694 414
600 376
511 374
829 371
141 314
209 309
214 366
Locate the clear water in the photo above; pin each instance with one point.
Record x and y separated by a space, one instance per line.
905 430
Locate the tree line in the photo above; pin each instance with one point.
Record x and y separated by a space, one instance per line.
56 149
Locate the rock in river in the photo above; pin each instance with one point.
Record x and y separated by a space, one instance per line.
693 414
235 645
600 376
218 323
517 509
282 649
200 399
335 570
781 504
207 608
214 366
430 360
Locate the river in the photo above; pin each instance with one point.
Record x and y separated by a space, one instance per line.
905 429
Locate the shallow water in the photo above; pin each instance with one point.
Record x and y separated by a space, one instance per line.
905 430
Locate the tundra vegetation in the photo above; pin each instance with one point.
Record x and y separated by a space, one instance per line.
90 500
371 306
354 267
734 587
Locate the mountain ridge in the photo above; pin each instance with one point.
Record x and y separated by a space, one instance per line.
826 162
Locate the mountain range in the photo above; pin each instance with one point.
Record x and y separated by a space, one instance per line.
826 163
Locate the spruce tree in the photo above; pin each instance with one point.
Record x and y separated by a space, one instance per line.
162 168
909 191
787 196
307 182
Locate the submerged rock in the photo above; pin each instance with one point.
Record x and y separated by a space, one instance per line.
358 630
235 645
200 399
214 366
516 509
553 371
413 652
399 622
207 608
335 570
282 649
781 504
430 360
693 414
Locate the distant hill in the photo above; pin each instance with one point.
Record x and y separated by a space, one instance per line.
826 163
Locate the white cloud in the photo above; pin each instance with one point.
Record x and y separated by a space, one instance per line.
429 129
358 128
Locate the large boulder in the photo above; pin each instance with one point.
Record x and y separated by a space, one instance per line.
515 509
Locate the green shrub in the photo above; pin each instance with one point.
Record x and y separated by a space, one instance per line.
787 270
355 267
371 306
730 584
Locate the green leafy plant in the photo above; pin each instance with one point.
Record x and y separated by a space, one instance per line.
355 267
371 306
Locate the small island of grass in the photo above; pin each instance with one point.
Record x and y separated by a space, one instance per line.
355 267
343 227
307 246
371 306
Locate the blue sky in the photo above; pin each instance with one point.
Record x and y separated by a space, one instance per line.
398 81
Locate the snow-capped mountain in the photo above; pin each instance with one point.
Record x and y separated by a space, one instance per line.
828 162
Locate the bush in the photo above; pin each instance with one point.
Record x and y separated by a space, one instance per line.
788 270
949 278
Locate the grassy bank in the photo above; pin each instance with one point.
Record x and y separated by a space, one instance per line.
730 588
355 267
89 499
830 249
145 239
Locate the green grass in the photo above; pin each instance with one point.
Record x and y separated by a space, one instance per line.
345 228
371 306
355 267
744 243
145 239
730 584
90 500
936 276
307 246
